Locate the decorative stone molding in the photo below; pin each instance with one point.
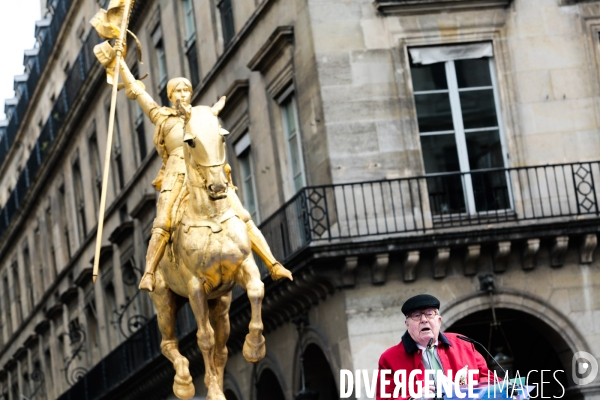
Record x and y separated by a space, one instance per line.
348 271
471 262
558 251
501 254
410 264
281 38
410 7
440 262
379 268
148 201
237 91
586 253
530 250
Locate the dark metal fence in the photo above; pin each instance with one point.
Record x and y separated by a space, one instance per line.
45 49
66 98
438 201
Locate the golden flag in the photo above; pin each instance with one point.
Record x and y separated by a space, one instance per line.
108 22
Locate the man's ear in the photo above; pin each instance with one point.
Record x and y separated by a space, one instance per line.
406 323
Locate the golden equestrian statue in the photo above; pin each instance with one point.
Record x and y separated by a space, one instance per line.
202 238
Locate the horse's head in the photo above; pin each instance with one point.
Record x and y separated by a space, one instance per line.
205 141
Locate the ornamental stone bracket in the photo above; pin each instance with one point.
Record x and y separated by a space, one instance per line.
558 251
379 268
471 262
410 263
586 252
530 251
500 257
349 271
440 262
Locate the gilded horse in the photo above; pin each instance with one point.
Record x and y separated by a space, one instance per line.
209 254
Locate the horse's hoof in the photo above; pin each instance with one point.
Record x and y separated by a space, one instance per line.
184 392
254 352
147 283
278 271
215 393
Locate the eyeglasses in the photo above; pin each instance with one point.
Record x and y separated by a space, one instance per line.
416 315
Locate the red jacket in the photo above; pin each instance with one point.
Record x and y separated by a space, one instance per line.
454 355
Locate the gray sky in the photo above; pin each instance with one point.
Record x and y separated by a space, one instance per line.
17 27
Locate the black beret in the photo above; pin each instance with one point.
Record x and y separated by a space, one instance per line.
420 302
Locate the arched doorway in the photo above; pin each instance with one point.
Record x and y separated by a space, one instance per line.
526 342
317 373
268 387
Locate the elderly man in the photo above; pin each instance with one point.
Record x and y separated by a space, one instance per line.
445 352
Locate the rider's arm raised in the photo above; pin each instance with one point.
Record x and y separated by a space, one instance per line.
136 91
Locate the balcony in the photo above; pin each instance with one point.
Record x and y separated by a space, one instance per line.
320 216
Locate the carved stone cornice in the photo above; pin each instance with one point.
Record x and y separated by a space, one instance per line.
282 37
411 7
121 232
148 201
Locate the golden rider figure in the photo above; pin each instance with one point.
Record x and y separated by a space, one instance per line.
168 139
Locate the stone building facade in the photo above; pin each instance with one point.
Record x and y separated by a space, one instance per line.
386 148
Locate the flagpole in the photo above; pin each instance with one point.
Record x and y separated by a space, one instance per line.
109 137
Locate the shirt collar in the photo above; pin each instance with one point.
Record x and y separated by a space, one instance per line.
411 346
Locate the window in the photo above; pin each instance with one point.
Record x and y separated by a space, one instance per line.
62 204
243 153
7 306
96 168
293 142
50 242
161 65
457 112
117 152
28 276
38 261
189 23
79 201
226 11
17 293
139 121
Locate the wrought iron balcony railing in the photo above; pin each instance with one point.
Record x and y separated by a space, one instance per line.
433 202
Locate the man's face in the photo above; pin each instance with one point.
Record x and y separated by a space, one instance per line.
423 328
181 93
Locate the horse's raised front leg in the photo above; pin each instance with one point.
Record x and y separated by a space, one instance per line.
206 338
166 311
219 319
248 277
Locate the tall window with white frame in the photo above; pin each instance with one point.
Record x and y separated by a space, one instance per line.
50 242
457 111
7 307
289 112
227 25
161 64
244 155
17 294
189 41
